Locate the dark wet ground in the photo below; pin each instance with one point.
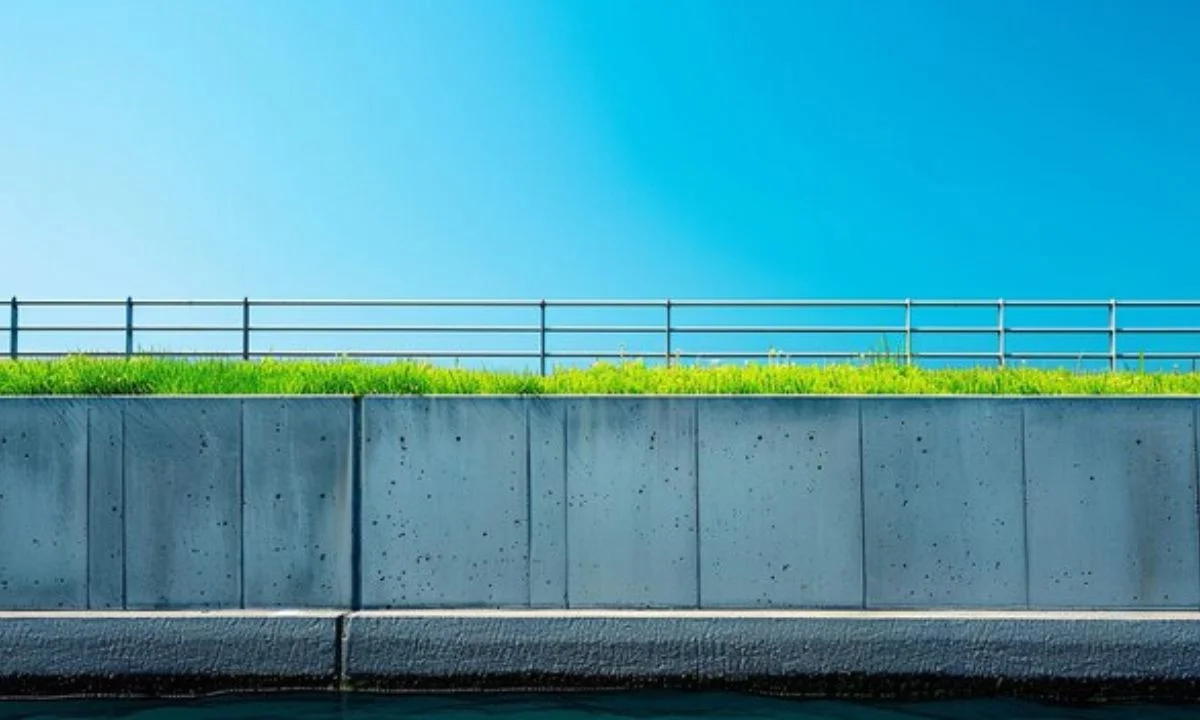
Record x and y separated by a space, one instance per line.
677 706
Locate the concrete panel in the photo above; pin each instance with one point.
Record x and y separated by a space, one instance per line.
298 514
547 502
43 503
183 497
930 650
106 502
631 509
943 503
1112 503
157 653
445 502
780 502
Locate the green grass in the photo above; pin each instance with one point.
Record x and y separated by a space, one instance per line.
144 376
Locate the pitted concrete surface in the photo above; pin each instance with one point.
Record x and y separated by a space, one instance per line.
714 502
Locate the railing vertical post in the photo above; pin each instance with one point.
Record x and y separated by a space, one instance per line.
12 329
908 331
245 328
1112 335
1001 352
668 329
128 327
542 338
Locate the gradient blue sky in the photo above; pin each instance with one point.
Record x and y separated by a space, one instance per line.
600 148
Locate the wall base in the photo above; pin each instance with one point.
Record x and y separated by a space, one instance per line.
1071 656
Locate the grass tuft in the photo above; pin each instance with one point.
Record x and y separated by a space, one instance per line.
81 375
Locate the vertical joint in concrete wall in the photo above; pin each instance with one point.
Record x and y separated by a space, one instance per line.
862 507
241 484
696 468
1025 505
356 455
340 673
1196 464
528 508
87 493
124 520
566 508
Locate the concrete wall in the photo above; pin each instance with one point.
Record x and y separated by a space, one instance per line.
943 503
111 503
748 502
781 521
445 502
43 504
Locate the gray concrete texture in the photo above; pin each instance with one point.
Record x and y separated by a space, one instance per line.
122 646
183 504
1112 503
110 503
638 502
105 484
43 504
116 652
631 502
445 501
547 503
943 503
729 646
298 501
781 520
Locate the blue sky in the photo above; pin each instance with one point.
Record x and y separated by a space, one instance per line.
600 149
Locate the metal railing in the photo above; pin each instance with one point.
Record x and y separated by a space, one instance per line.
992 340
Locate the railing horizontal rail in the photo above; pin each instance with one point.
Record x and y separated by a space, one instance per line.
485 329
605 329
725 329
1057 330
763 329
